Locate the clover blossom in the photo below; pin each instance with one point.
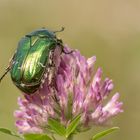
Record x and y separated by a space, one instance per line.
77 89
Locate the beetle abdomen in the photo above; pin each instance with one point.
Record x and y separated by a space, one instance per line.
19 58
29 67
32 60
36 61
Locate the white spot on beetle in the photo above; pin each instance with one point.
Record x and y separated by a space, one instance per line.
41 86
42 81
41 65
46 75
15 62
23 85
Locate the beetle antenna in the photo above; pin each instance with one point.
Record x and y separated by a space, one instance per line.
61 30
7 70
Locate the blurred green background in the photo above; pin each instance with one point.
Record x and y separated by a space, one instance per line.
109 29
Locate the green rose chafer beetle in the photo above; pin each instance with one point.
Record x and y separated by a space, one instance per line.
34 55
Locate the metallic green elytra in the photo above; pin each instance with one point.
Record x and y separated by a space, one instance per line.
31 59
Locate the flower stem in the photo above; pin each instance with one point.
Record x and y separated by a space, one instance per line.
53 136
70 137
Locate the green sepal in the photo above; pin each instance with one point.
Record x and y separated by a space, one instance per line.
57 127
104 133
37 137
72 126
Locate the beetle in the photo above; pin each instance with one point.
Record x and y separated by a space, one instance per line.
33 57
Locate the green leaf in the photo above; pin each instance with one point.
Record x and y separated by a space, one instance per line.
36 137
9 132
72 126
57 127
104 133
82 129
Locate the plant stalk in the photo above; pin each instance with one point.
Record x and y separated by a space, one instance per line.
70 137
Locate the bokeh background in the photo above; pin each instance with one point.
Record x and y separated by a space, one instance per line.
109 29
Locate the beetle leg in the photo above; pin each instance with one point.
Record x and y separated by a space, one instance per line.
61 30
59 43
68 52
51 77
64 51
6 71
39 63
8 68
